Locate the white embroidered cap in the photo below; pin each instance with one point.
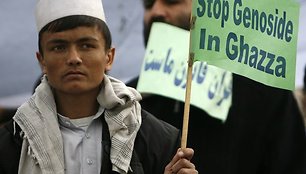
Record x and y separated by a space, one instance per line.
50 10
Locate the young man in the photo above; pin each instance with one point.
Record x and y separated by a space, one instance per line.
263 133
80 120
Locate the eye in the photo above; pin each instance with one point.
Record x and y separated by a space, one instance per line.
58 48
148 3
172 1
87 46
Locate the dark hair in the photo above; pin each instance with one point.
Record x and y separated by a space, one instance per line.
71 22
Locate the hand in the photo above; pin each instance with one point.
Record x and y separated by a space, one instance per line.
180 163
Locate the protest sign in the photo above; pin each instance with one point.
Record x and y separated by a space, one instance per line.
164 72
256 39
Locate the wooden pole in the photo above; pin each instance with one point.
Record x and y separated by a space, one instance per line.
188 88
187 102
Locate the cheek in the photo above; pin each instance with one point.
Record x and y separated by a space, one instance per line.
53 74
51 68
97 68
97 75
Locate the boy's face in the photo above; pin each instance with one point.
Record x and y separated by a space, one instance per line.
75 60
174 12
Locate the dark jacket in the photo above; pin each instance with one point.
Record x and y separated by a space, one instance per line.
263 134
155 145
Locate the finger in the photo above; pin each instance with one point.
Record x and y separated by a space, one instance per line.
187 171
176 157
180 160
186 153
182 165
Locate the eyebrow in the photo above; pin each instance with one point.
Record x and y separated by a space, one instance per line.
88 38
63 41
57 41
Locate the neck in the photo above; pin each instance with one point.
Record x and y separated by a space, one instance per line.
77 106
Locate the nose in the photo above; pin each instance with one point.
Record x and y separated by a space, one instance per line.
73 57
159 10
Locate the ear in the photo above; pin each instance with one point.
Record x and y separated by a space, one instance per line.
41 61
109 59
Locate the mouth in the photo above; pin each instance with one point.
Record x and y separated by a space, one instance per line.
74 74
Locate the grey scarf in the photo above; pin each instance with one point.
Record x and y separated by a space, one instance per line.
42 148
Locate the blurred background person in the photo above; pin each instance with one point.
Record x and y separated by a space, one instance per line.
264 131
300 94
6 114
